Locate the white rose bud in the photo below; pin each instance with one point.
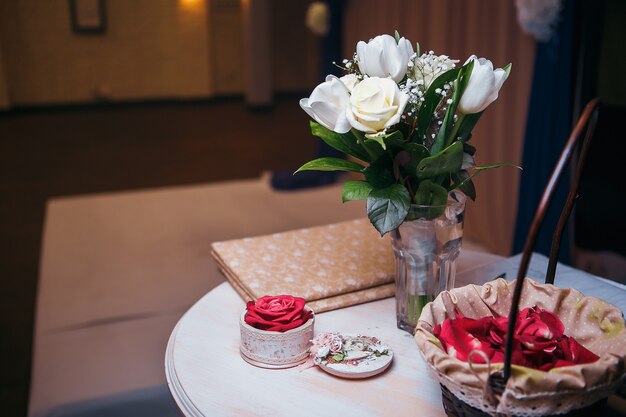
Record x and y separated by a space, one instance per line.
383 57
376 104
328 103
483 86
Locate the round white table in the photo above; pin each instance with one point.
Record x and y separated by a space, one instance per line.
208 377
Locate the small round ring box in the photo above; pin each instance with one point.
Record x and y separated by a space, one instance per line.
274 350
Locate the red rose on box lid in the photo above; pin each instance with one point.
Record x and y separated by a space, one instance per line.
277 313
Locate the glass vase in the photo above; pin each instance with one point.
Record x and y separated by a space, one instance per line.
426 246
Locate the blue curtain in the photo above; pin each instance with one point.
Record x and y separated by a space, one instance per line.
548 126
331 52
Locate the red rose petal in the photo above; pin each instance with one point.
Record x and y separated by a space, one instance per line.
462 335
539 340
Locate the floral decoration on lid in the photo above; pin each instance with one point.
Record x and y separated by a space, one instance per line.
352 350
539 340
349 356
277 313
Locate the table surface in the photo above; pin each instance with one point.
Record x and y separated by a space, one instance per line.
207 376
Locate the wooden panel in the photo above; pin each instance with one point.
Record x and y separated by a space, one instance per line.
257 47
150 49
4 87
226 50
296 60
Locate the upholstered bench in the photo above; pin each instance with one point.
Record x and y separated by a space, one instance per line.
118 270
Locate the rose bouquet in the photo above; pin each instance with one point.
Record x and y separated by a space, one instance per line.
406 117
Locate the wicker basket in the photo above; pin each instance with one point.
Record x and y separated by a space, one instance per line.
456 407
579 390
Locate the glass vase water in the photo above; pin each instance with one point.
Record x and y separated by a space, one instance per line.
425 249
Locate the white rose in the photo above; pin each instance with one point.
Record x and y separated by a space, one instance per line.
349 80
483 86
328 103
383 57
375 104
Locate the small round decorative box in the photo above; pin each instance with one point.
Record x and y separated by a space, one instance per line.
273 349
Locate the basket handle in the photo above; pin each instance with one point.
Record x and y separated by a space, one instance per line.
587 120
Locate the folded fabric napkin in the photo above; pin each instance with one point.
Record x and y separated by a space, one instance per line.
331 266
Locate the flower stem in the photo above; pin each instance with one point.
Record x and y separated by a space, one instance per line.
409 187
360 141
455 130
415 305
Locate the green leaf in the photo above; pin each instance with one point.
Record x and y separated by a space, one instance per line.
355 190
465 184
469 149
442 140
379 140
396 36
501 164
468 189
466 126
387 207
331 164
382 139
401 159
379 173
431 194
418 153
338 357
459 183
431 100
417 49
346 143
371 147
447 161
507 69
